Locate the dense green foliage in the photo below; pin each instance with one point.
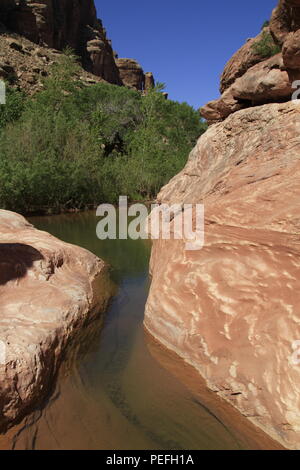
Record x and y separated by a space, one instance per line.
71 146
266 46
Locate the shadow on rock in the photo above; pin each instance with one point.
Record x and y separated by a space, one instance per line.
15 260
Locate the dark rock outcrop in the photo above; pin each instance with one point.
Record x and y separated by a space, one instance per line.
231 310
67 23
133 76
285 18
71 23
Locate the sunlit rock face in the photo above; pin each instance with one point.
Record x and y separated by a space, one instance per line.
232 309
48 291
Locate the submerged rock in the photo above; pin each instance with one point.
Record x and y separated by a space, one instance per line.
48 290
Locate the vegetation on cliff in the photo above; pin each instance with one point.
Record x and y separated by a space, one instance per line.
71 146
266 46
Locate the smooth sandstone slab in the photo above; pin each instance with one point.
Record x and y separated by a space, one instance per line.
232 310
48 291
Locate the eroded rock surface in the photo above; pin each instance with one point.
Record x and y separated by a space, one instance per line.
251 77
232 309
71 23
68 23
240 62
48 290
131 73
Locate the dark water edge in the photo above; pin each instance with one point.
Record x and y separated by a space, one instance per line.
118 389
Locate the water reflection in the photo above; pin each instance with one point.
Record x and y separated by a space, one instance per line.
112 393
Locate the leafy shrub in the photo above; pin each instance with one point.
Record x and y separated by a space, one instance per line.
12 110
266 46
71 146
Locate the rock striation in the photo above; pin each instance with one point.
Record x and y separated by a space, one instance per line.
49 290
231 309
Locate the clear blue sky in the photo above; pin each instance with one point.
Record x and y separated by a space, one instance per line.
184 43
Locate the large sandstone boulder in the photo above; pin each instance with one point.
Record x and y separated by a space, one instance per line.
267 81
249 78
231 310
49 290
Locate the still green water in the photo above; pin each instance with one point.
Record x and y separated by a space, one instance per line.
111 393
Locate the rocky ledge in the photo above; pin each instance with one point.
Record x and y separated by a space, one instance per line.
253 76
49 290
231 310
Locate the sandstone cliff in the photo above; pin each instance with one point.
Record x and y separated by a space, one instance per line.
231 310
48 290
67 23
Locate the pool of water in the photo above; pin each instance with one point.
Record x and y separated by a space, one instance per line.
112 391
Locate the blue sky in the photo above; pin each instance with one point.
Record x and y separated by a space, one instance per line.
184 43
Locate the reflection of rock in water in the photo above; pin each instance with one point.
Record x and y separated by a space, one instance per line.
243 431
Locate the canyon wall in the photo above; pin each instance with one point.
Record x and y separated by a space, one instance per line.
256 74
65 23
231 310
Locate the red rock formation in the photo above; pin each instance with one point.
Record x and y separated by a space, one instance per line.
250 78
231 310
131 73
149 81
72 23
133 76
65 23
49 290
240 62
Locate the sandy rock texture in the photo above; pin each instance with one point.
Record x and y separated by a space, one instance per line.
48 291
231 310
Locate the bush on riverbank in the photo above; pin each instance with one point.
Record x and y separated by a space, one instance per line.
71 146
